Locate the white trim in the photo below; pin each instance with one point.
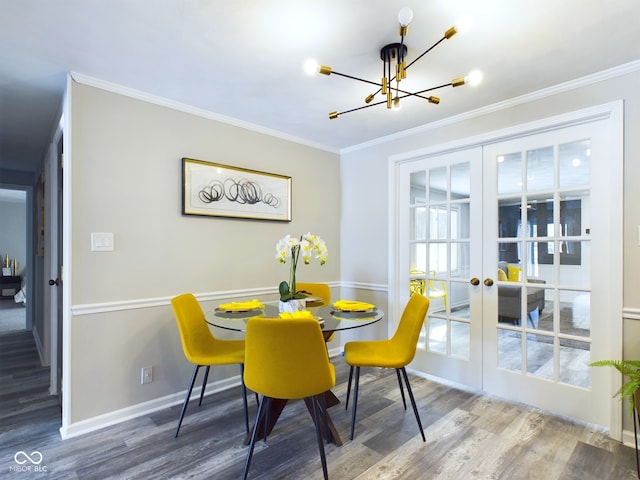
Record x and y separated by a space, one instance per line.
618 71
589 114
67 248
99 422
182 107
631 313
376 287
145 408
125 305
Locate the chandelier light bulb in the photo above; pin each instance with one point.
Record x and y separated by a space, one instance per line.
463 24
474 78
405 15
311 66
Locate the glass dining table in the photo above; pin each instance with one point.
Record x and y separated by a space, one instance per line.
331 320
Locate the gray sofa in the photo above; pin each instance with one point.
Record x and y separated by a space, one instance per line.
509 300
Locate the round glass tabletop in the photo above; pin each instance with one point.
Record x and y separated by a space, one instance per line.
330 319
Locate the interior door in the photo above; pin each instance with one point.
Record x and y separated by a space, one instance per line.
511 243
545 243
443 219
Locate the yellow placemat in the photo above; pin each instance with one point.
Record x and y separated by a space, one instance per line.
241 306
353 306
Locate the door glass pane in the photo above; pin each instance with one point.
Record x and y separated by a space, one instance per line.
438 184
509 349
460 259
575 164
458 300
574 355
460 220
575 313
510 303
509 218
540 169
460 338
418 257
546 317
418 223
460 181
418 188
438 222
509 173
437 293
437 258
437 334
540 356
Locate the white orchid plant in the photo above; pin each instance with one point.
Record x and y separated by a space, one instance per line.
309 246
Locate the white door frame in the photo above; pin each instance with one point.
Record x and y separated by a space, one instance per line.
614 112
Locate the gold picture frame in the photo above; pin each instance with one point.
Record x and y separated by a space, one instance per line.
216 190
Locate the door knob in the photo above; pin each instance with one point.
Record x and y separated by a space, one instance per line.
474 281
488 282
53 282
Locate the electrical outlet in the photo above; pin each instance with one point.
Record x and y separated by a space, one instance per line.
146 375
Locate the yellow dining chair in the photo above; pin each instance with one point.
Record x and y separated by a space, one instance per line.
287 359
437 289
203 349
321 290
316 290
396 352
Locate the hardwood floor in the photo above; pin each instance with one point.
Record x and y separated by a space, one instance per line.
469 436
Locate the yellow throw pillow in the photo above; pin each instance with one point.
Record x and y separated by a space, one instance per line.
513 273
502 277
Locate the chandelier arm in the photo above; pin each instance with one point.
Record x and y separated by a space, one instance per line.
426 51
363 107
429 90
355 78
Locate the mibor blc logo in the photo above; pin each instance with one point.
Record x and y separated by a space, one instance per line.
28 462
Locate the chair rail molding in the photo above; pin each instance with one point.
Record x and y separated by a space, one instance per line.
123 305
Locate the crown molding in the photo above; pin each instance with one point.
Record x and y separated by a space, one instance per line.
183 107
614 72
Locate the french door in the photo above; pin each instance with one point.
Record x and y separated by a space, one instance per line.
510 242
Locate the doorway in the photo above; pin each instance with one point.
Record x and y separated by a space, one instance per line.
13 260
511 241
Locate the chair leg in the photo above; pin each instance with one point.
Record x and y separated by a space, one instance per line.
355 402
404 402
323 459
413 403
244 399
346 405
186 398
204 384
266 419
323 409
252 443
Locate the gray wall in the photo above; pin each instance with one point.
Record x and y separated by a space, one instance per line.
125 177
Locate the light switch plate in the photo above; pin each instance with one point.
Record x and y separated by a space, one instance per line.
101 241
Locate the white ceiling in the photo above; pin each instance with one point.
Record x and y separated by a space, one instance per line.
244 59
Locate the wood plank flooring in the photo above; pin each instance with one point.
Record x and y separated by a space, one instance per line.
469 436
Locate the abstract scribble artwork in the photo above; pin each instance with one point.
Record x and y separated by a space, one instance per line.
212 189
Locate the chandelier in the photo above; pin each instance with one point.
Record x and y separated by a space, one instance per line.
389 87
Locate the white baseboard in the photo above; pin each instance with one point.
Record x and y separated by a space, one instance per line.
128 413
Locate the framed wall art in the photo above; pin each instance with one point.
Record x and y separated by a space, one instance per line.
215 190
